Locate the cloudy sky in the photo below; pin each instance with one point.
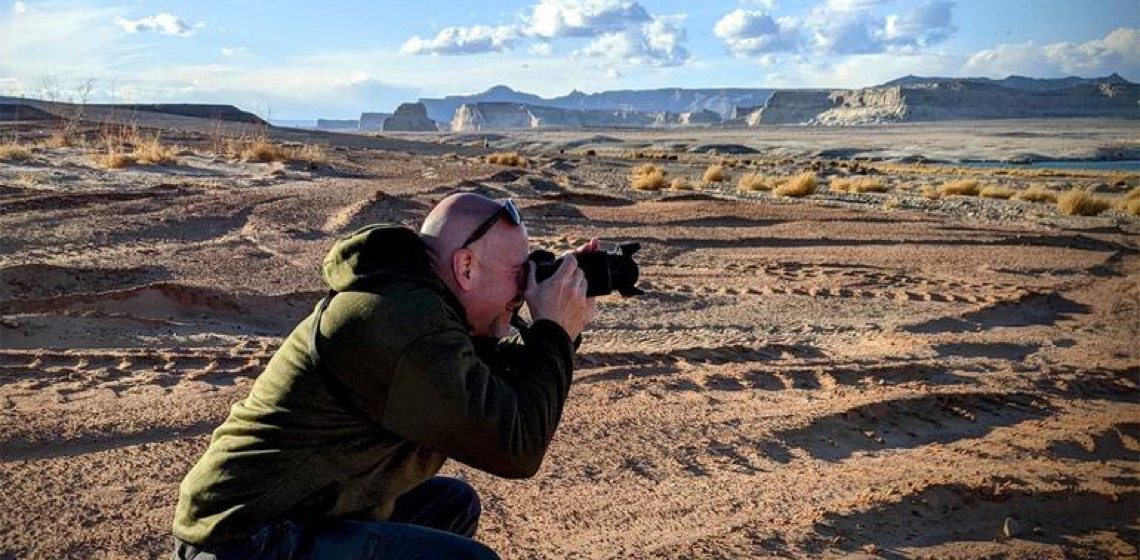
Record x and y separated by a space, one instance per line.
296 59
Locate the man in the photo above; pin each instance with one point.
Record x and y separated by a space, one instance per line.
334 452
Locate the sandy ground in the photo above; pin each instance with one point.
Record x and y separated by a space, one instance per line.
840 376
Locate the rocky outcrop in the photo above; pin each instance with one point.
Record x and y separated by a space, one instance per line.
409 117
970 100
337 124
667 100
373 121
942 99
791 107
474 117
702 117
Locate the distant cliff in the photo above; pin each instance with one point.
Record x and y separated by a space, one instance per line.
672 100
471 117
914 99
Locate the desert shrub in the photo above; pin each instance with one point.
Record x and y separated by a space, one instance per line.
1133 194
1130 206
800 185
994 191
651 180
512 159
14 151
1037 193
857 185
643 169
59 139
591 152
961 187
113 159
262 149
931 193
715 174
753 182
680 184
152 150
868 184
311 154
839 185
1079 202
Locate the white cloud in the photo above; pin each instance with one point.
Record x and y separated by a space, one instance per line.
837 27
20 7
748 33
657 43
613 74
232 51
464 40
584 18
541 49
926 25
163 24
1116 52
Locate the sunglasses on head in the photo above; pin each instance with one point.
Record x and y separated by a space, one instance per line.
508 208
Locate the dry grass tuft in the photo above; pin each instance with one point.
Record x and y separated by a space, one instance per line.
14 151
994 191
857 185
931 193
1079 202
680 184
961 187
153 151
512 159
800 185
312 154
1133 194
715 174
1037 193
1130 206
753 182
59 139
647 177
113 159
261 149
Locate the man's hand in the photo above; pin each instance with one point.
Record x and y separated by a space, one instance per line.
562 297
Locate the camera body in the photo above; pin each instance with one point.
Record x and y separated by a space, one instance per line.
606 272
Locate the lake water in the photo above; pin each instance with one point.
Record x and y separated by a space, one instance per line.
1123 165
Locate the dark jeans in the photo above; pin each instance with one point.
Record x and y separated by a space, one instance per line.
436 519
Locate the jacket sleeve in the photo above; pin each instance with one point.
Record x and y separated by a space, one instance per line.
443 396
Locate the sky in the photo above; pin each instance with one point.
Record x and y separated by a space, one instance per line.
287 59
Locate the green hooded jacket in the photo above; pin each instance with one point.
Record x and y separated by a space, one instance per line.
398 385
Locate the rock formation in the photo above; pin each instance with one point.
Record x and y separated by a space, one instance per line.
409 117
791 107
373 121
937 99
668 100
702 117
473 117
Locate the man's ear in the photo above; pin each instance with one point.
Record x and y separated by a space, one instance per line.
463 267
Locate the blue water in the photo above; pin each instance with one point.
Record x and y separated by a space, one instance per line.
1123 165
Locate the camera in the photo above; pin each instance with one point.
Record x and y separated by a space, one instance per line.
606 272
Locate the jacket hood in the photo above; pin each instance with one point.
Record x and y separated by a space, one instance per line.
376 254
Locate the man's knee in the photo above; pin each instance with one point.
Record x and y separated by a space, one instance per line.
465 494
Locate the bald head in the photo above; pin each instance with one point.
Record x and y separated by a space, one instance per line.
454 219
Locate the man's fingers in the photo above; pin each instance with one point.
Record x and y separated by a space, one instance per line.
568 267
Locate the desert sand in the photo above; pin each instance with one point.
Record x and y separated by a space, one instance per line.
842 375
